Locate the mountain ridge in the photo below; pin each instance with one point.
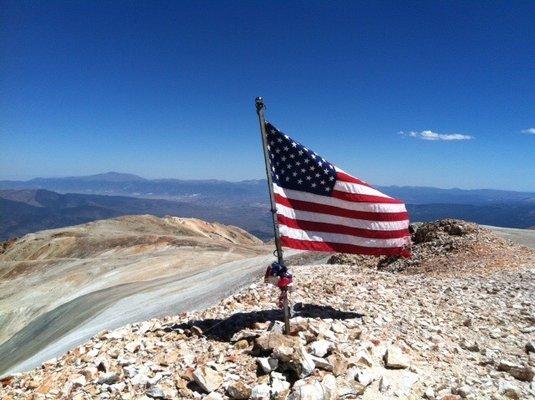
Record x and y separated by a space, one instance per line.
249 190
30 210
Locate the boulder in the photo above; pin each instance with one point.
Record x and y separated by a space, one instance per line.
283 353
273 340
108 379
339 363
349 387
397 382
307 391
289 351
322 363
238 390
330 387
301 362
320 348
395 359
280 388
155 392
207 378
261 392
365 377
140 380
521 372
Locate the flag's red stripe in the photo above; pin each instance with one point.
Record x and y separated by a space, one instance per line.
341 229
344 248
340 212
342 176
363 198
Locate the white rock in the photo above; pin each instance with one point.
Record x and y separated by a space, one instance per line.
394 358
123 362
207 378
261 392
365 377
280 388
464 391
308 391
303 362
132 347
78 381
384 384
330 389
338 327
429 393
117 387
397 382
320 348
364 358
130 371
140 380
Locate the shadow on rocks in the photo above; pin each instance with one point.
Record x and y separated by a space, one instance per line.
223 329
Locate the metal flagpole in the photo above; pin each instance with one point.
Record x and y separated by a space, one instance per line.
260 110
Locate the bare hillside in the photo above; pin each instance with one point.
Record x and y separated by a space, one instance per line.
71 275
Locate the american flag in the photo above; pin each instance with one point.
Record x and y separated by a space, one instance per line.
322 208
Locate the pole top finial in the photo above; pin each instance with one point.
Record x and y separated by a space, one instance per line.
259 102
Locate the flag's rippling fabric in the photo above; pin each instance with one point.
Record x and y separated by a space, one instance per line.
322 208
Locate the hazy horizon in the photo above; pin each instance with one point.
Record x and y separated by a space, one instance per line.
2 178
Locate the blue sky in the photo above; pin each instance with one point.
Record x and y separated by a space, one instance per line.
166 89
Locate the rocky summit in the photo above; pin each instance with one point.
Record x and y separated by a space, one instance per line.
362 328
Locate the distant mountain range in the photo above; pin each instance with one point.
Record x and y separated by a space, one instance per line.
117 184
42 203
244 192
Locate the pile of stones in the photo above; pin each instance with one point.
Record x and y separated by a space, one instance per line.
447 246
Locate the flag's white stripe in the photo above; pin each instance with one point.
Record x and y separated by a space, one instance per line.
355 188
339 238
331 201
333 219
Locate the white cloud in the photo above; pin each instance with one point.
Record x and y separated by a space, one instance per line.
430 135
529 131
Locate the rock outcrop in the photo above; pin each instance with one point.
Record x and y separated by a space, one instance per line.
446 247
